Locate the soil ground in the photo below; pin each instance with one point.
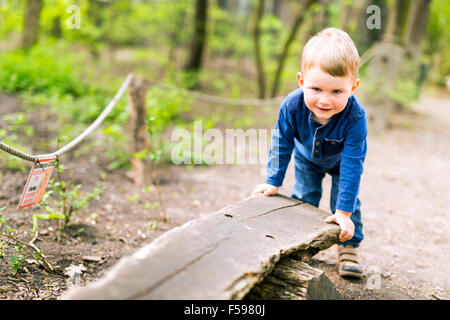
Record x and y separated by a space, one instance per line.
404 195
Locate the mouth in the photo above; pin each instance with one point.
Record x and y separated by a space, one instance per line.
324 109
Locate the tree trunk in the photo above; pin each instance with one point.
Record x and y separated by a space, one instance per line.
256 31
416 26
396 22
358 10
31 26
223 4
321 17
56 27
95 12
415 30
174 36
382 77
276 8
364 36
199 37
345 12
292 34
395 63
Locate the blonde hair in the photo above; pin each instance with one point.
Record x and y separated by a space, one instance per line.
333 51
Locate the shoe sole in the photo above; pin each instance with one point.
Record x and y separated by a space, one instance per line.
351 274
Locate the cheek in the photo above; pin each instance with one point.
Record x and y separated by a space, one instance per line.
310 99
340 102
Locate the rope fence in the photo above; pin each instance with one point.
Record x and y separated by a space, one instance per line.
196 95
221 100
77 140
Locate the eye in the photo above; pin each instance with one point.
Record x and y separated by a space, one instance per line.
316 89
337 91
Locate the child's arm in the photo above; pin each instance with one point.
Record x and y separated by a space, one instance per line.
281 147
279 154
355 149
351 168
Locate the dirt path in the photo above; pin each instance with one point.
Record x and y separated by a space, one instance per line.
404 193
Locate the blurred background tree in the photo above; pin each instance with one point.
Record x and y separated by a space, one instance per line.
31 27
230 48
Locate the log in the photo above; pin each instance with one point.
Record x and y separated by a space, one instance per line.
294 280
221 256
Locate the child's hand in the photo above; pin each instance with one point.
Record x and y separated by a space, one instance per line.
265 189
346 224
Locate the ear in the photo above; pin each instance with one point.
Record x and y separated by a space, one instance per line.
355 85
300 79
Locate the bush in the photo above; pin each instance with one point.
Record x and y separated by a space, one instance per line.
45 68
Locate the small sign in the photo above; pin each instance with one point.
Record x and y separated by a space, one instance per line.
37 182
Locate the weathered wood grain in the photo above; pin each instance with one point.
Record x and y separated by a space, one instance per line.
220 256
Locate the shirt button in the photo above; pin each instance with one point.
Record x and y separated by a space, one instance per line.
316 151
317 143
333 142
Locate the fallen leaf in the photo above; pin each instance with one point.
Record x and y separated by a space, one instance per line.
93 258
72 270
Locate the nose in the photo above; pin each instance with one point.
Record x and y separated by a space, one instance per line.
324 99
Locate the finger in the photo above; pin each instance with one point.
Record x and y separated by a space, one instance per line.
348 236
343 235
258 190
330 219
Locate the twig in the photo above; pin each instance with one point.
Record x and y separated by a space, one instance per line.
34 238
47 264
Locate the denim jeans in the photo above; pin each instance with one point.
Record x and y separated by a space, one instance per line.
308 188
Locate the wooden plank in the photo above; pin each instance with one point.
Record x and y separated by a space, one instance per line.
219 256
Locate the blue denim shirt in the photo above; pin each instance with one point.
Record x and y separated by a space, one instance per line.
342 141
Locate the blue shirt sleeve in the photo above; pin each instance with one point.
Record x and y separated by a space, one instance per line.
353 154
281 148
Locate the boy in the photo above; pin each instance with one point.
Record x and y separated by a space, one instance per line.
327 127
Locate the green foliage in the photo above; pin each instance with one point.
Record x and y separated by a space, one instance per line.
74 77
49 75
153 224
165 109
226 34
16 261
42 69
272 30
405 92
151 205
7 161
69 199
437 44
17 246
134 197
149 189
11 17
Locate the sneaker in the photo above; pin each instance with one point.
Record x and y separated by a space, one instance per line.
348 264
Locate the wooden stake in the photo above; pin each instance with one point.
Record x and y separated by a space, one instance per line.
138 129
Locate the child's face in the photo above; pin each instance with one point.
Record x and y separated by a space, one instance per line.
324 94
